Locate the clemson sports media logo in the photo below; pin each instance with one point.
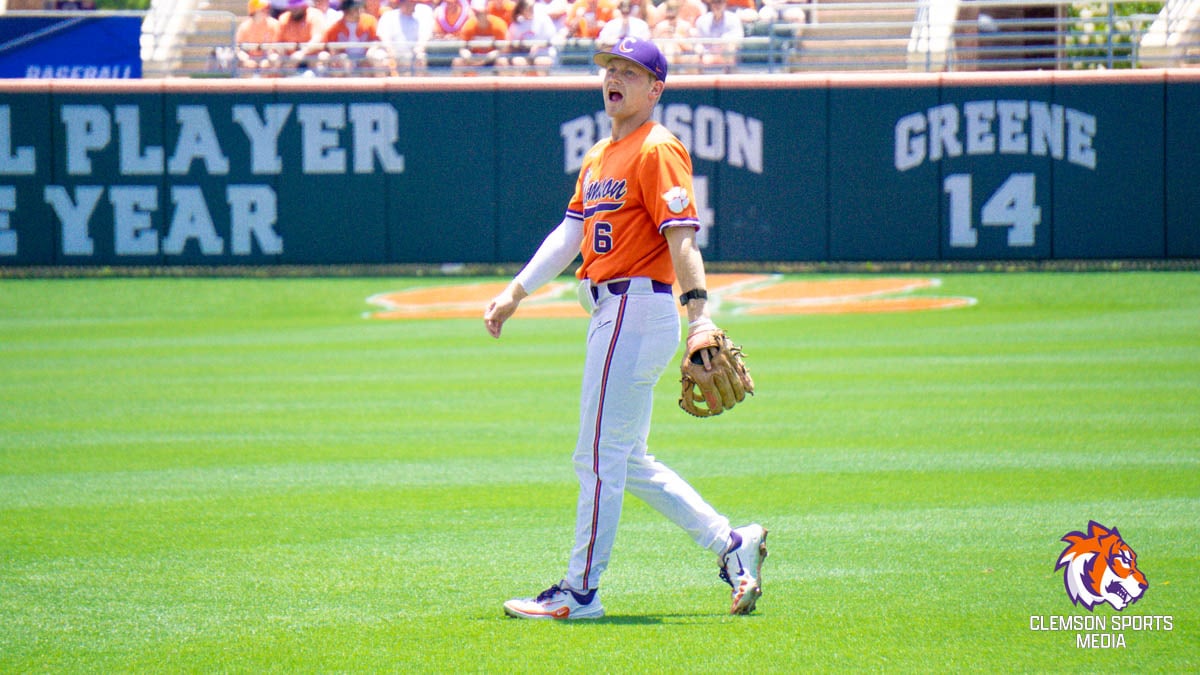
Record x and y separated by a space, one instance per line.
1100 567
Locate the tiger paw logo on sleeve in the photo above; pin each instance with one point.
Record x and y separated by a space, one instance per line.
1099 567
676 199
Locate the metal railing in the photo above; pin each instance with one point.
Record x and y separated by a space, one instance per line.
755 54
1042 35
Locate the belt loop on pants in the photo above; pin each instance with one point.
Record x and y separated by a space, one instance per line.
639 285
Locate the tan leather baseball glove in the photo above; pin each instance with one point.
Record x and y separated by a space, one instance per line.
714 371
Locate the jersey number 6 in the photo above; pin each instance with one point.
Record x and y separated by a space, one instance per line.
602 237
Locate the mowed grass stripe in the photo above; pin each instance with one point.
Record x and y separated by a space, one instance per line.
142 487
246 475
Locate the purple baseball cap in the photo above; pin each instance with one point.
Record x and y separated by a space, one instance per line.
642 52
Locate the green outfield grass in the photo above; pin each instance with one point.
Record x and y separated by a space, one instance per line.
242 475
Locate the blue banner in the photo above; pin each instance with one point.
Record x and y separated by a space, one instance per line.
70 46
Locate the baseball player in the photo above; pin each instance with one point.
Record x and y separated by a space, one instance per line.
633 218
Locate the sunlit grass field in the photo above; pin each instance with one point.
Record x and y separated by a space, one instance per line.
244 475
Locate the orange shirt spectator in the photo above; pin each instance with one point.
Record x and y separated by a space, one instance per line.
354 26
301 29
483 25
503 9
449 18
486 29
687 11
256 29
673 35
585 18
301 23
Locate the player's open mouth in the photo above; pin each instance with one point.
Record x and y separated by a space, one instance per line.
615 96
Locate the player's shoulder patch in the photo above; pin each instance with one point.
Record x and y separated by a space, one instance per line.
677 199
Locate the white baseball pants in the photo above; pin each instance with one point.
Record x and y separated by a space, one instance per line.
631 340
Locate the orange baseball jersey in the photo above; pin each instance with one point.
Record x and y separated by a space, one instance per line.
627 194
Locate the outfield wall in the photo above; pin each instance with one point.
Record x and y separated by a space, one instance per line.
847 167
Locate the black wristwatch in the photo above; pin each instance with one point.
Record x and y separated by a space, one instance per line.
694 294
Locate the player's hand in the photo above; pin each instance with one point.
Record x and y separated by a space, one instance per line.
501 308
497 312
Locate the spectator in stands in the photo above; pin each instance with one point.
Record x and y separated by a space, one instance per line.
376 8
331 15
586 18
278 8
300 32
556 10
687 11
449 18
347 43
530 38
719 36
481 32
638 9
626 22
745 10
405 31
504 9
255 36
673 35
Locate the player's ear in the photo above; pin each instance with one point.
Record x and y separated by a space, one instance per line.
656 87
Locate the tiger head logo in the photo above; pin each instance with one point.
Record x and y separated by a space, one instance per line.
1100 567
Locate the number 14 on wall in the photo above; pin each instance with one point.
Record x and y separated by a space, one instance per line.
1012 205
